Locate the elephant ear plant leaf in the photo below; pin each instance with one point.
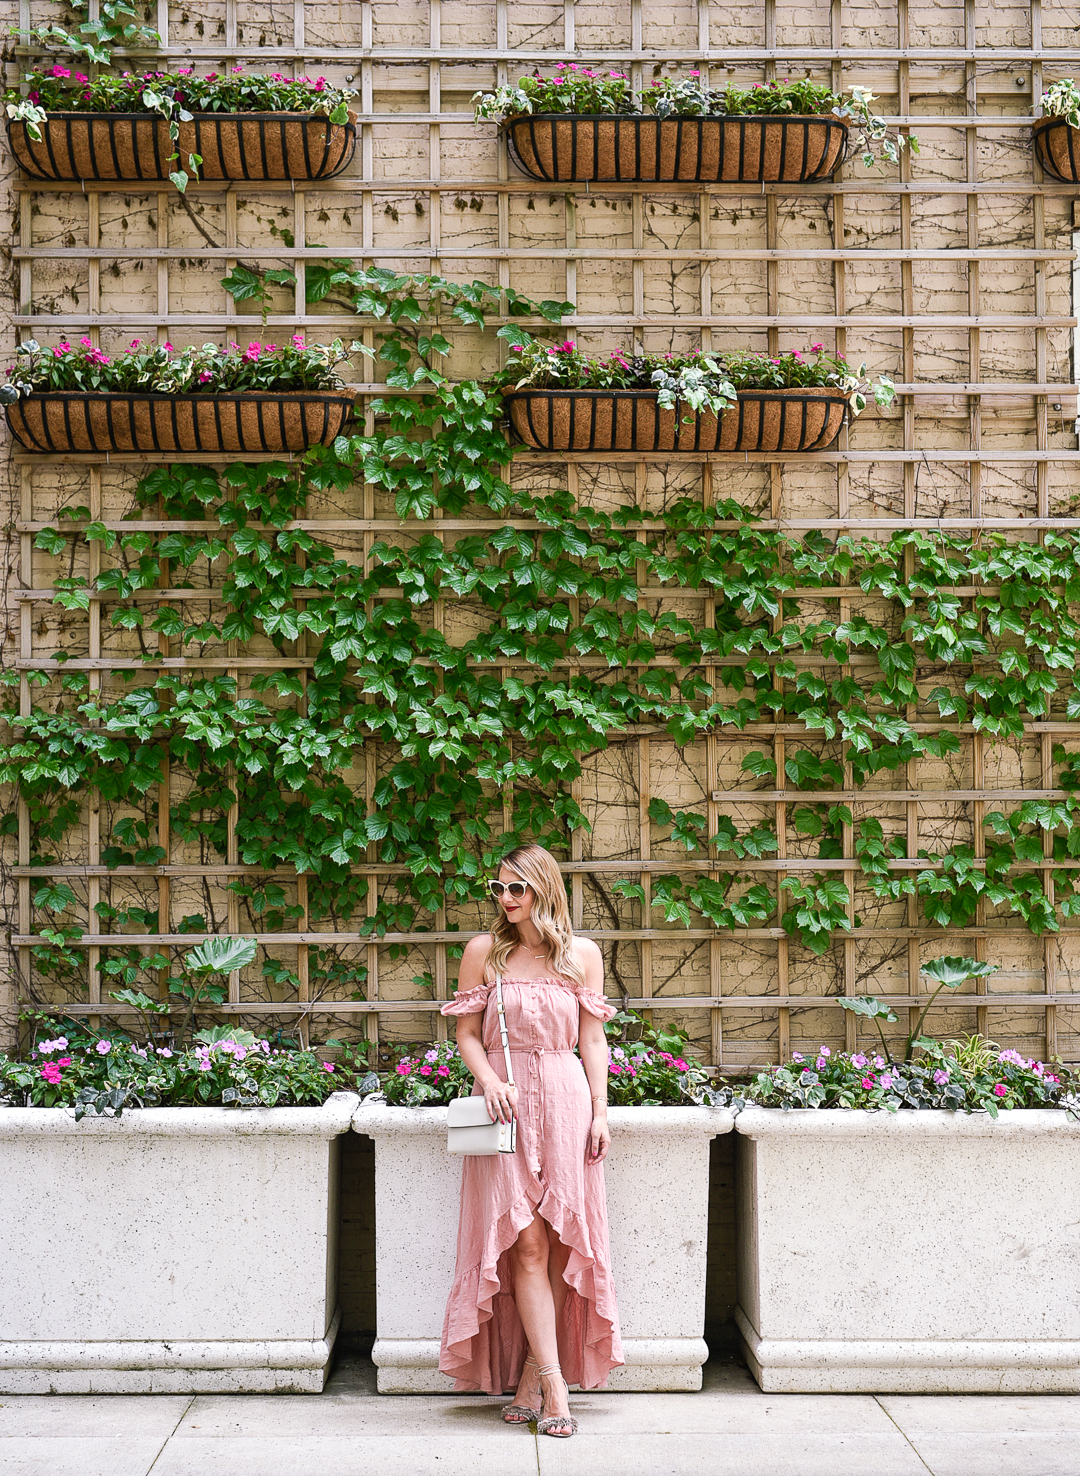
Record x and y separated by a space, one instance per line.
200 966
947 973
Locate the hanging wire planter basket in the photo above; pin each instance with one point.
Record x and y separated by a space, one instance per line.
76 420
137 146
602 147
631 420
1057 148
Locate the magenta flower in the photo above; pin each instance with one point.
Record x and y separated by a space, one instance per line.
695 74
425 1070
614 1070
868 1082
1000 1089
51 1072
211 76
815 348
297 341
59 71
443 1071
681 1065
328 1066
404 1069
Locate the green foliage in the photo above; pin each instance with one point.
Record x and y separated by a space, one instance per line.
551 584
102 1075
968 1076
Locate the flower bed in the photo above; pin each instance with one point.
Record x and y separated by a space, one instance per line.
560 399
161 125
270 399
585 125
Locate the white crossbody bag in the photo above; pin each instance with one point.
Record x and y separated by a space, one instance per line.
469 1129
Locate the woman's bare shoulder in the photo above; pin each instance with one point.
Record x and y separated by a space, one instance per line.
586 951
475 957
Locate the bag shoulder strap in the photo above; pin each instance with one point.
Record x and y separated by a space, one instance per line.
502 1030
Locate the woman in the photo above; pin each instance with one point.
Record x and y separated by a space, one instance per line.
532 1286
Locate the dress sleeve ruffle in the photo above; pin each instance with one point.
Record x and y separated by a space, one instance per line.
595 1003
468 1002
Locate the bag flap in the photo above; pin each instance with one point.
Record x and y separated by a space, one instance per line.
467 1112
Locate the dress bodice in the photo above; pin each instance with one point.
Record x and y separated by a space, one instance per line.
541 1014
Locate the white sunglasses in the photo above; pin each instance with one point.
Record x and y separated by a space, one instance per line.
516 889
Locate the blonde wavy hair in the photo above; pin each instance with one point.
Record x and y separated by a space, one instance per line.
550 913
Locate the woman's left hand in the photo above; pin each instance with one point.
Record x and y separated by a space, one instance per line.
599 1140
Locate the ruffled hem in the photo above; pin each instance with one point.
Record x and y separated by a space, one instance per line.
471 1002
483 1342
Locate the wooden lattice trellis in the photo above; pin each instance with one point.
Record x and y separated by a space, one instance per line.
860 259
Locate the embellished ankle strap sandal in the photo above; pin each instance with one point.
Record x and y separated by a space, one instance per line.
555 1425
521 1414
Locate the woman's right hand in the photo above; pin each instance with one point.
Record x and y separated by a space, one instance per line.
501 1100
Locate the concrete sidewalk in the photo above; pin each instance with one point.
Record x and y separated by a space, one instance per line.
729 1429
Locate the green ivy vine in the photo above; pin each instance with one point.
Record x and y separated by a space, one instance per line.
555 588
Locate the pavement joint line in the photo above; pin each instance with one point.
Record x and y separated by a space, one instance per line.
179 1421
889 1416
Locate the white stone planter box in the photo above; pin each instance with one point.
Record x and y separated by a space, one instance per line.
180 1249
657 1178
919 1252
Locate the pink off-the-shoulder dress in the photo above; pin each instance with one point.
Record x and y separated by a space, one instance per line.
483 1342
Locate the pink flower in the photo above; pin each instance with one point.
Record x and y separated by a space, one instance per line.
80 78
167 347
59 71
1000 1089
443 1071
204 1064
211 76
103 1047
630 1071
252 352
614 1070
135 343
859 1061
824 1051
204 376
795 1056
940 1077
868 1082
695 74
238 69
425 1070
886 1080
815 348
51 1072
297 341
403 1068
328 1066
681 1065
